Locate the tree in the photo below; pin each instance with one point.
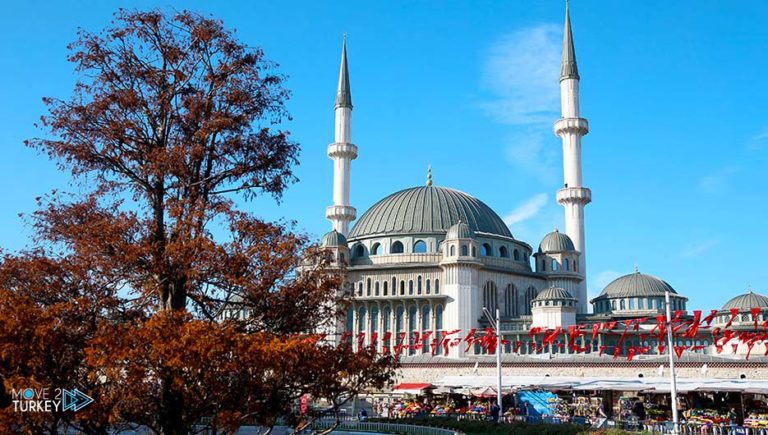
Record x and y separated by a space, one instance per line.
123 293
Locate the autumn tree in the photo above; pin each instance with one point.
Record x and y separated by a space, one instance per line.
171 122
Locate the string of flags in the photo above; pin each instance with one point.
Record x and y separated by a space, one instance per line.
440 342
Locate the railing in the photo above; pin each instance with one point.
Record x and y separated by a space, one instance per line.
361 426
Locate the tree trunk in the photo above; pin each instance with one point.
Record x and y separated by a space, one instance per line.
171 405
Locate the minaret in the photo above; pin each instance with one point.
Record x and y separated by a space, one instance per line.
571 127
342 152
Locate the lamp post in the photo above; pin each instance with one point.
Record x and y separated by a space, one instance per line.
672 377
497 329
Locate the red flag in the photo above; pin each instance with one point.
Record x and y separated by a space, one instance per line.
631 353
595 328
734 313
518 344
710 317
662 348
616 352
755 312
735 347
678 314
679 350
602 349
694 328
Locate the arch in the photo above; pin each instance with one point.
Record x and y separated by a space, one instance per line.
425 327
554 265
622 304
359 251
376 289
631 303
510 300
410 287
413 326
350 321
384 290
397 248
464 250
453 251
394 286
385 319
374 320
418 285
566 264
490 296
516 255
437 286
368 287
376 248
503 252
474 251
429 286
361 320
613 305
402 288
399 319
420 247
485 250
438 318
360 289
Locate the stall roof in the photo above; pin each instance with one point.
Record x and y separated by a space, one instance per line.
412 388
649 385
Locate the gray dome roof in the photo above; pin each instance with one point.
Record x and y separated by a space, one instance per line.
553 293
460 231
425 210
556 242
333 239
746 301
636 284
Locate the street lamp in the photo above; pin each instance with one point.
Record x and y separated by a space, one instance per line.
497 328
672 377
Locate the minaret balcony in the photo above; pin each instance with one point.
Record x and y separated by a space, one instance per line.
578 195
342 150
571 126
341 212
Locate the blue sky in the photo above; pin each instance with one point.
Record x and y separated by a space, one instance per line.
675 93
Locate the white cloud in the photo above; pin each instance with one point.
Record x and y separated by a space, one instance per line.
698 249
717 181
534 152
759 142
527 210
597 283
520 72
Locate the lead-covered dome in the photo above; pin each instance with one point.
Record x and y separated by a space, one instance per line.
636 284
556 242
746 301
554 294
428 210
333 239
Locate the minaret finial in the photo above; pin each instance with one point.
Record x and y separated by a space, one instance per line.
637 268
344 93
429 175
568 68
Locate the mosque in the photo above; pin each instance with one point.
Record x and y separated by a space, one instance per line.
431 258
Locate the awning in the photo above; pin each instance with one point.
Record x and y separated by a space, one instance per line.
411 388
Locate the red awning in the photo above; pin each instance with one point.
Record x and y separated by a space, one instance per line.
411 388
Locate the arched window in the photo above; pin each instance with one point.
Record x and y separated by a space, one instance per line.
359 251
418 285
425 327
503 252
375 249
368 287
385 288
376 289
613 305
485 250
420 247
399 314
402 288
397 248
631 303
410 287
489 296
566 264
622 304
413 327
437 286
360 289
453 251
530 295
516 255
474 251
510 301
429 287
374 320
543 265
639 303
554 265
361 327
464 250
394 286
438 318
350 321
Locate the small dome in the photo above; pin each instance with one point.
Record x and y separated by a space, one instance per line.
554 293
333 239
556 242
636 284
460 231
746 301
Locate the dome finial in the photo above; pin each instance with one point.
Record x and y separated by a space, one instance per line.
637 268
749 288
429 175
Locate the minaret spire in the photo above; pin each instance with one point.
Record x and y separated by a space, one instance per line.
342 151
570 128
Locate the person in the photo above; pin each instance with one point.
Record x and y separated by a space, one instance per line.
639 410
495 412
525 411
363 415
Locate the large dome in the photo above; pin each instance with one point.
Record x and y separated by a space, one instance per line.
746 301
428 210
636 284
